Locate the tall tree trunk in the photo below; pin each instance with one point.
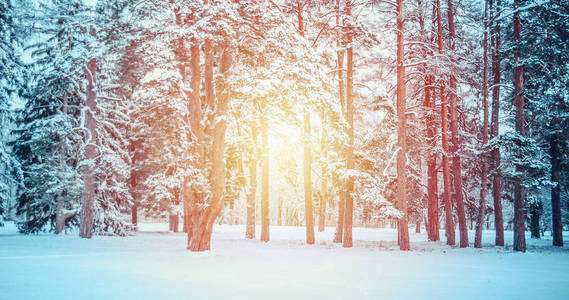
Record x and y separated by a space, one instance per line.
432 182
188 194
191 195
308 180
432 221
432 192
496 72
252 190
449 222
203 218
484 175
456 167
402 223
349 200
339 234
132 190
323 202
132 186
324 172
86 226
557 226
519 189
265 183
307 154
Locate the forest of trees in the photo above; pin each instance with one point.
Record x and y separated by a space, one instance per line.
435 114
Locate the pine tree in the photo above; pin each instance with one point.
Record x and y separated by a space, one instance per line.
449 222
520 190
545 34
10 84
456 166
495 38
349 203
339 234
484 182
61 61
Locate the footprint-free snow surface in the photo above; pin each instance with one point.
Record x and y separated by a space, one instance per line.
154 264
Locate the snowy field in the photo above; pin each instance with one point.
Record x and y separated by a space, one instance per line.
155 265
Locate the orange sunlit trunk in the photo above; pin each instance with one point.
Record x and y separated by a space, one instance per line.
402 223
339 234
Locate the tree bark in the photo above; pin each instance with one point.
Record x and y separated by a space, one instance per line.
456 167
191 194
433 209
86 226
324 172
432 220
519 189
449 222
323 202
432 182
203 218
339 234
308 180
402 223
265 183
484 185
307 154
252 190
497 178
557 226
349 200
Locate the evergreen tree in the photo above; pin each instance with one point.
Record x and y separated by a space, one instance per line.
61 125
545 37
11 78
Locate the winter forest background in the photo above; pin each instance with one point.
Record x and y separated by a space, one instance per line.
380 124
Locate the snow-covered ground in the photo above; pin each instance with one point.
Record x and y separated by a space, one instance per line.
155 265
